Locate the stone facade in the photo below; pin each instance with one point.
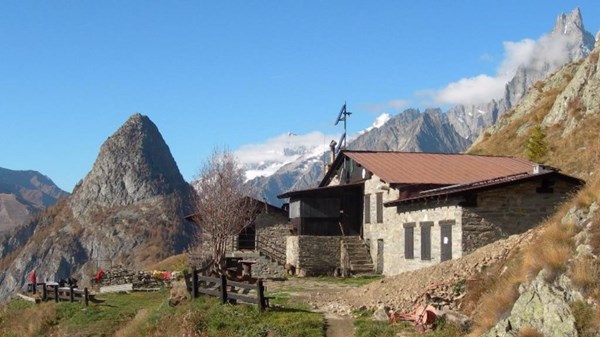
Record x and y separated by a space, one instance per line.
275 227
507 211
496 214
313 255
392 234
272 225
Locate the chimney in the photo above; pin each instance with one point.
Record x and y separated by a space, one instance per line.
539 169
332 148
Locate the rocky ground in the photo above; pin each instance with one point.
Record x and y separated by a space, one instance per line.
442 285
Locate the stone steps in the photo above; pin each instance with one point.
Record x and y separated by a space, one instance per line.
359 256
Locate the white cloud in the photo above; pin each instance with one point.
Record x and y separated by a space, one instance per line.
549 49
473 90
284 148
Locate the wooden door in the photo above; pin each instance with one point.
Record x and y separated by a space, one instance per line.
446 242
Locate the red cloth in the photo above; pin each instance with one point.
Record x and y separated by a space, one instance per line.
99 275
32 277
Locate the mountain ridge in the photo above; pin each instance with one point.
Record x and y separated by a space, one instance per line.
24 193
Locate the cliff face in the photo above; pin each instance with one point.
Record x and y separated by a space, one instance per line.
128 210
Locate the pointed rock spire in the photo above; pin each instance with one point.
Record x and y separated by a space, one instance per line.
134 164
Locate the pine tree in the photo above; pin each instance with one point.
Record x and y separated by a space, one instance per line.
535 147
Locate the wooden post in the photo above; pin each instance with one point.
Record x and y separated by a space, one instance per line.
86 295
56 293
44 292
223 289
194 283
71 293
260 289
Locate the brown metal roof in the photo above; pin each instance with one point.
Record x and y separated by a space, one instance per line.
484 185
437 168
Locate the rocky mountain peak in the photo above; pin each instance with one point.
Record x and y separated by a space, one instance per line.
567 42
128 210
567 23
134 164
569 26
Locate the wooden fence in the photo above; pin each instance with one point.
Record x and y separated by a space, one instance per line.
227 290
56 293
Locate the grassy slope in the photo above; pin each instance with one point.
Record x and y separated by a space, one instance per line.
576 153
148 314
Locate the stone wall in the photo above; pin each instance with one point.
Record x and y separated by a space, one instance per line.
140 279
275 227
392 234
507 211
313 255
498 213
272 225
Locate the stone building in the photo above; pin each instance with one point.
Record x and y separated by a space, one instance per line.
411 210
263 241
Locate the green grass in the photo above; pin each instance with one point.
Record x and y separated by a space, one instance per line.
366 327
148 314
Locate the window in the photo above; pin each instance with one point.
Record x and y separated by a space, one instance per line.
409 240
367 208
426 240
379 196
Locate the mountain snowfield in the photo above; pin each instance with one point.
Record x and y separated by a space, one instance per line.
290 162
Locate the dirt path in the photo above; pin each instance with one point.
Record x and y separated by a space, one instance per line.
339 326
339 323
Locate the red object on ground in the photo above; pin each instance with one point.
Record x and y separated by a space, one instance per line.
99 275
32 277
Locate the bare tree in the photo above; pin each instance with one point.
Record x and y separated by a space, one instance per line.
223 207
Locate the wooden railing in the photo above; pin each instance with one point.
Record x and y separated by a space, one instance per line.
226 290
271 249
56 293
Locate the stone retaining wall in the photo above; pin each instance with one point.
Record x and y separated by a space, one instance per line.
313 255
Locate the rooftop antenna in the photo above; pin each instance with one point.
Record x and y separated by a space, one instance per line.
342 116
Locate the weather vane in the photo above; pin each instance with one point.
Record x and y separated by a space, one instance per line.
342 116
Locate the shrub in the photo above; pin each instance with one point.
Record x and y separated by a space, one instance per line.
536 147
585 321
585 274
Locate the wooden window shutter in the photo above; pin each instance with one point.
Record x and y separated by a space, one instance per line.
426 240
409 240
367 212
379 207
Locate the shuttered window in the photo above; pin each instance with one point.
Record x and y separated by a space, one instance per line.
409 240
367 208
379 207
426 240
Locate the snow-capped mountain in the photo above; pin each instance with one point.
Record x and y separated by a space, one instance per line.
434 130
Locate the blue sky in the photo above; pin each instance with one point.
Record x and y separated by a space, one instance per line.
234 73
